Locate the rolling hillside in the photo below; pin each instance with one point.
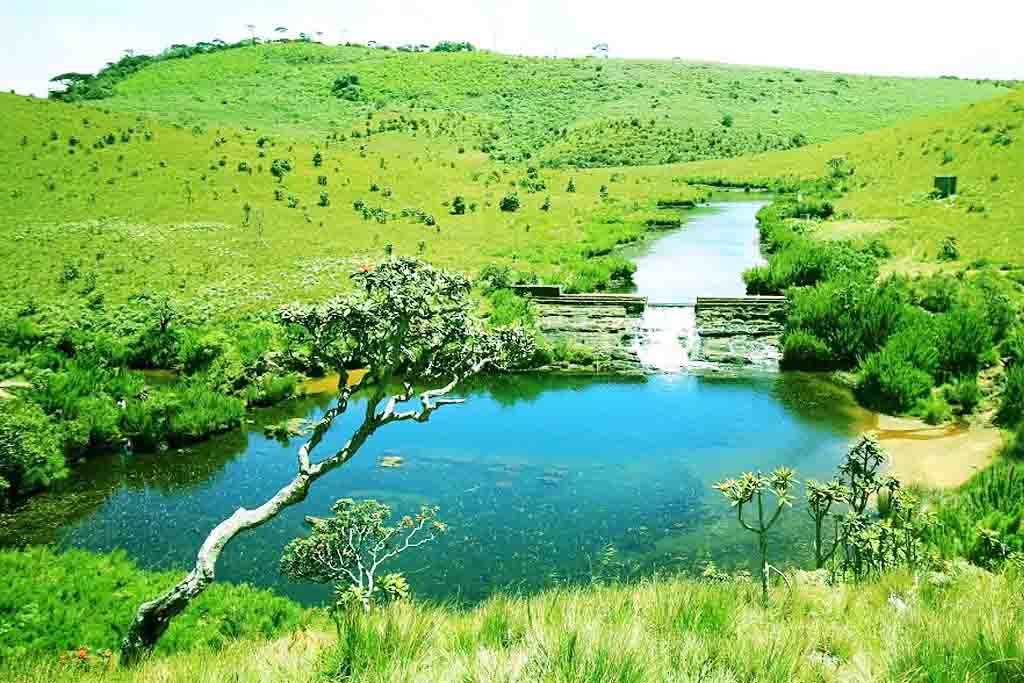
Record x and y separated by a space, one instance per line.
891 176
584 112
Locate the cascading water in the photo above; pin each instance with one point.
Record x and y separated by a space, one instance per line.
667 337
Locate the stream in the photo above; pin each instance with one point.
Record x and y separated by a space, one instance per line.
543 479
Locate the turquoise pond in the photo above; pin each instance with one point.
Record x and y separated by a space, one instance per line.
542 479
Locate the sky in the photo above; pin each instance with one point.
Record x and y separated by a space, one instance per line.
976 39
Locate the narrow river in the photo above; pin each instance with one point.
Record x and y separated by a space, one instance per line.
543 479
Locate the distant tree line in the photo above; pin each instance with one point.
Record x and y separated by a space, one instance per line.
85 86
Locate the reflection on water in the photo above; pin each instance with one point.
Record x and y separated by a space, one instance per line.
535 474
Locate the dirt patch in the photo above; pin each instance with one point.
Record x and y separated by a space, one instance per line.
329 383
943 456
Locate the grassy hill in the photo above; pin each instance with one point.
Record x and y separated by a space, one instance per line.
552 111
127 203
891 175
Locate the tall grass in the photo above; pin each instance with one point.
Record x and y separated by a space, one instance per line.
964 619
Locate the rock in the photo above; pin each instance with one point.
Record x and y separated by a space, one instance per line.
897 603
391 461
296 426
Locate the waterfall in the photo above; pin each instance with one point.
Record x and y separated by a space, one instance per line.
667 337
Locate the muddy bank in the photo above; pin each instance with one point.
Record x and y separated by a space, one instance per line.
943 456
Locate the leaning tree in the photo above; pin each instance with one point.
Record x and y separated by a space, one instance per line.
408 324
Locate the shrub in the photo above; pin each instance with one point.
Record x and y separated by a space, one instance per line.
508 308
279 168
510 202
949 250
727 120
964 342
495 276
1013 346
1011 405
801 350
53 602
201 412
458 206
890 383
964 393
347 88
31 452
934 410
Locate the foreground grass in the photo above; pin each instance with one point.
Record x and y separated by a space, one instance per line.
957 625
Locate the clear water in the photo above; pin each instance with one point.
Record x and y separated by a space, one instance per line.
543 479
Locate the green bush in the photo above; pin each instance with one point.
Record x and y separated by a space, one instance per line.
200 412
508 308
890 383
495 276
993 499
54 602
801 350
510 202
934 410
964 342
1011 405
964 393
1013 346
31 452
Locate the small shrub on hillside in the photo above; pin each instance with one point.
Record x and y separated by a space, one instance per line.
949 250
964 393
1011 405
495 276
571 187
458 206
31 452
325 199
1013 347
890 383
280 168
727 120
801 350
509 308
318 159
347 88
934 410
509 202
964 343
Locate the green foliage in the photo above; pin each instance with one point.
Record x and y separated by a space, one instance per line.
31 452
802 350
993 501
510 202
495 276
934 410
751 488
509 308
458 206
1011 404
348 548
964 393
949 250
54 602
347 88
891 383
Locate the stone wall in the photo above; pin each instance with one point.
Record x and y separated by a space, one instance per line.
741 330
608 328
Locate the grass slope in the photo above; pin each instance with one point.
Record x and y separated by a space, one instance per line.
937 627
582 111
888 193
128 204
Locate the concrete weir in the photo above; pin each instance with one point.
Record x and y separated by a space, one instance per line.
633 334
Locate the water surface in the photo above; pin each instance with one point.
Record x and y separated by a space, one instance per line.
542 479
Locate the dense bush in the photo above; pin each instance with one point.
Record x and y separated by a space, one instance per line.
802 350
53 602
1011 405
510 202
964 343
890 383
992 500
508 308
31 452
964 393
